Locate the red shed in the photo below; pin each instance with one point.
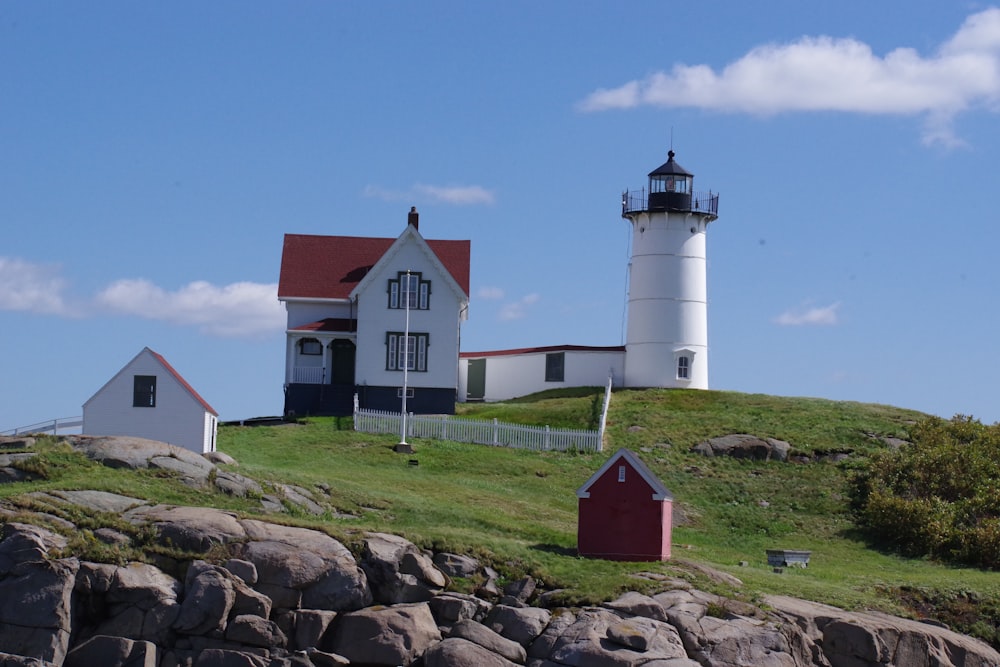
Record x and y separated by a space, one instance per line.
624 512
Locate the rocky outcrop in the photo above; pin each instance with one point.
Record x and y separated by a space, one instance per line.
744 446
871 638
398 571
284 596
195 470
258 594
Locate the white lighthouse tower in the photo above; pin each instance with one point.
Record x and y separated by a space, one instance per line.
666 343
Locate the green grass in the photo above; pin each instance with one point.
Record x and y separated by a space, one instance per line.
516 509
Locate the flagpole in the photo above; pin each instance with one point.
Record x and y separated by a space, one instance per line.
404 446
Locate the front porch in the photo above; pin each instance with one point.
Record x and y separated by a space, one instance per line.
319 368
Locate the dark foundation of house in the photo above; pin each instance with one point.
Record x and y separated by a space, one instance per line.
338 400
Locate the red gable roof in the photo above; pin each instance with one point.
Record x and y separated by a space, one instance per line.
330 324
183 382
548 348
329 267
660 492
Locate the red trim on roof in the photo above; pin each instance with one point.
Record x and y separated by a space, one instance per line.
184 383
330 325
329 267
660 492
550 348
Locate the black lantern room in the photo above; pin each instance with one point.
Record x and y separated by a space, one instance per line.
670 187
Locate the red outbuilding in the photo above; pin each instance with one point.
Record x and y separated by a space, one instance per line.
624 512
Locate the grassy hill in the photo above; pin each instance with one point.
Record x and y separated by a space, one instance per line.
517 509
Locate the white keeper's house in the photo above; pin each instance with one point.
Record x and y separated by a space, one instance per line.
359 308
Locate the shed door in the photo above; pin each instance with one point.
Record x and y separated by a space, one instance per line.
475 388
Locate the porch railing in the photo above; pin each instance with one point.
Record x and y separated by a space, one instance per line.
308 374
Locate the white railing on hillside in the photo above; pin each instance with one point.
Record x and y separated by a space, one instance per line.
604 411
483 432
494 432
53 426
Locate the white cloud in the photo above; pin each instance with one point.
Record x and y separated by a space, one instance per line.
456 194
490 293
817 316
518 309
459 195
829 74
376 192
35 288
241 309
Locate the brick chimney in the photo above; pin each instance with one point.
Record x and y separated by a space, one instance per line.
413 218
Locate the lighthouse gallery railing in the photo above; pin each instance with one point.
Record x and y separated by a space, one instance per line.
701 202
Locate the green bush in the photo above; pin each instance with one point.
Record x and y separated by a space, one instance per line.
938 496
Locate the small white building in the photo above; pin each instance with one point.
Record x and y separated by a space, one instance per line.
149 399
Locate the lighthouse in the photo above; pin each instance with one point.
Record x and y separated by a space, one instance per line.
666 342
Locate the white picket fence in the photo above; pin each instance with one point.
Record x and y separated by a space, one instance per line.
495 432
53 426
480 432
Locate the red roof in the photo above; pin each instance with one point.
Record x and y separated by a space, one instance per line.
184 383
329 324
550 348
329 267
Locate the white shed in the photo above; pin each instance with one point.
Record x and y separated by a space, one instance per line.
149 399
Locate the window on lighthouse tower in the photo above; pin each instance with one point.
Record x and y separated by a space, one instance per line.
683 368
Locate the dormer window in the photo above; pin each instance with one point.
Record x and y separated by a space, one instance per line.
412 288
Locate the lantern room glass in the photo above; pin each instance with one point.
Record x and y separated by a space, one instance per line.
672 183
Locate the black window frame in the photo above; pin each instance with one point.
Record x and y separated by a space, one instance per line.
393 345
143 391
302 347
421 297
555 367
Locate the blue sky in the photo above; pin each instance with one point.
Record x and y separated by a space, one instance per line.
152 155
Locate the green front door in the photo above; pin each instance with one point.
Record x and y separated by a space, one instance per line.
475 389
342 362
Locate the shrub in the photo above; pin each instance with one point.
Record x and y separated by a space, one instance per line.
939 496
